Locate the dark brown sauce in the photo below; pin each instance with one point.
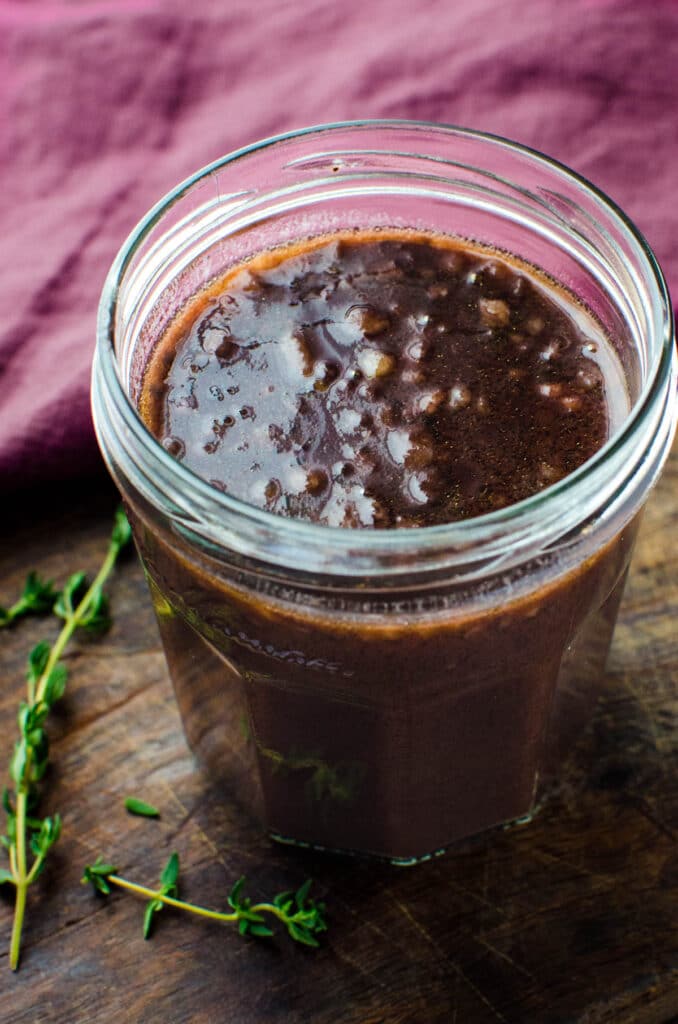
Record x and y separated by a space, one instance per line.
389 379
380 381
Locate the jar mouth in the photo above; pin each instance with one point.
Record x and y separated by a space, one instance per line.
222 521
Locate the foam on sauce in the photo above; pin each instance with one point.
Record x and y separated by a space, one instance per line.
388 379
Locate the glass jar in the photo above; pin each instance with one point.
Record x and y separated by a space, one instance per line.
400 689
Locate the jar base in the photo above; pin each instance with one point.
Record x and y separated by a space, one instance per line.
402 862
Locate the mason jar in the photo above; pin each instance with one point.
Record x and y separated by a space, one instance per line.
385 691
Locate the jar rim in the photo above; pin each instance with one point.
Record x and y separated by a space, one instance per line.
210 507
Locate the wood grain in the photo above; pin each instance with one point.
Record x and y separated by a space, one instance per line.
571 918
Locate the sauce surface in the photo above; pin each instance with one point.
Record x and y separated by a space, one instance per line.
390 380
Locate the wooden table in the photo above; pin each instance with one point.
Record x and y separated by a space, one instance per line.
572 918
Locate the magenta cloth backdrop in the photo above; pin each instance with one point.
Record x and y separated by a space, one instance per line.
107 104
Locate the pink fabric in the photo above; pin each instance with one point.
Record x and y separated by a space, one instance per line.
106 105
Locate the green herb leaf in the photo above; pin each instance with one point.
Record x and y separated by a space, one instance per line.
37 598
282 899
122 532
170 875
168 887
141 808
46 837
7 806
55 685
30 718
95 618
37 661
71 595
100 885
101 868
39 595
6 876
250 915
300 934
301 894
40 754
234 895
17 766
97 875
152 907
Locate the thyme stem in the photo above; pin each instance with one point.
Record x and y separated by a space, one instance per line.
45 686
192 908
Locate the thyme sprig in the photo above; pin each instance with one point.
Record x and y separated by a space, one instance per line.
81 605
303 918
